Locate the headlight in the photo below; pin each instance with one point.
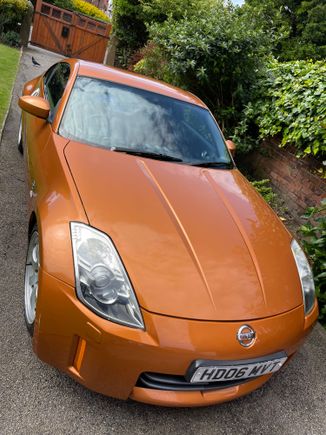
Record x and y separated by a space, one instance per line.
306 276
101 279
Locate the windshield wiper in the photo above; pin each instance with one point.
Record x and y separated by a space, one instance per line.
149 154
217 164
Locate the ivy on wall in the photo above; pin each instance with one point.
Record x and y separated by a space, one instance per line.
290 102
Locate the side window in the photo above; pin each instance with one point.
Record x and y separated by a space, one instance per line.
49 73
55 81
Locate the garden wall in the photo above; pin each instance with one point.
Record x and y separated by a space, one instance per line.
295 180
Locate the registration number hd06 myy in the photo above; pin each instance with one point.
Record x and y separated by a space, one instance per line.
237 371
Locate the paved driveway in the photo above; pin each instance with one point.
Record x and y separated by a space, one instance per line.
37 399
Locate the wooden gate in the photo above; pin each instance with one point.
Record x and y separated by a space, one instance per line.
69 33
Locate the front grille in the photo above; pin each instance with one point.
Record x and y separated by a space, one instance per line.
158 381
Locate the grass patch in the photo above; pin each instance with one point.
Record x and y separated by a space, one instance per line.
9 59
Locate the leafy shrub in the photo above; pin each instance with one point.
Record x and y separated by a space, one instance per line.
263 187
314 243
290 102
12 13
213 53
129 28
297 28
64 4
89 9
246 132
81 6
133 18
153 63
10 38
13 10
159 10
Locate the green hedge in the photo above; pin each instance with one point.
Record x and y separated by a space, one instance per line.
263 187
12 13
89 9
212 53
129 28
81 6
314 242
290 103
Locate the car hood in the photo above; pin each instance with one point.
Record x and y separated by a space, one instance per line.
197 243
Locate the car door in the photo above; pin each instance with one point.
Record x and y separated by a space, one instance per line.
39 131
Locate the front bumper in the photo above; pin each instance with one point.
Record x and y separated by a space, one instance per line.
109 358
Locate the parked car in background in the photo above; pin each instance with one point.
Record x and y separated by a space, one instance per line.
154 269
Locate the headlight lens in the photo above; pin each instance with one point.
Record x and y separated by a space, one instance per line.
306 276
101 279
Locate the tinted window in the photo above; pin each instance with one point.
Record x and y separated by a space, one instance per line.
55 81
112 115
48 74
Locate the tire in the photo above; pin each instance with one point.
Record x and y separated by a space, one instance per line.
32 266
20 138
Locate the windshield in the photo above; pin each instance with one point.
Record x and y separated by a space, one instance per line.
116 116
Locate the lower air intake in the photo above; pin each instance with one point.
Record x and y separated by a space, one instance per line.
158 381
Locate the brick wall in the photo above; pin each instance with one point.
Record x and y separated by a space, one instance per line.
292 178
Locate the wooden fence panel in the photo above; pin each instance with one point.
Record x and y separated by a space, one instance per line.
69 33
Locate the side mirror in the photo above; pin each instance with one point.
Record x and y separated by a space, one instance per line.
231 146
36 106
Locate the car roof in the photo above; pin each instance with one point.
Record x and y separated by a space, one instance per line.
96 70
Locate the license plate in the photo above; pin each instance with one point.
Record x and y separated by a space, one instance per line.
220 371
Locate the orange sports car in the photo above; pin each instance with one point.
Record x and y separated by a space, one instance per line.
154 270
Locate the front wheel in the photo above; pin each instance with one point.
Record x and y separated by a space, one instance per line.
31 280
